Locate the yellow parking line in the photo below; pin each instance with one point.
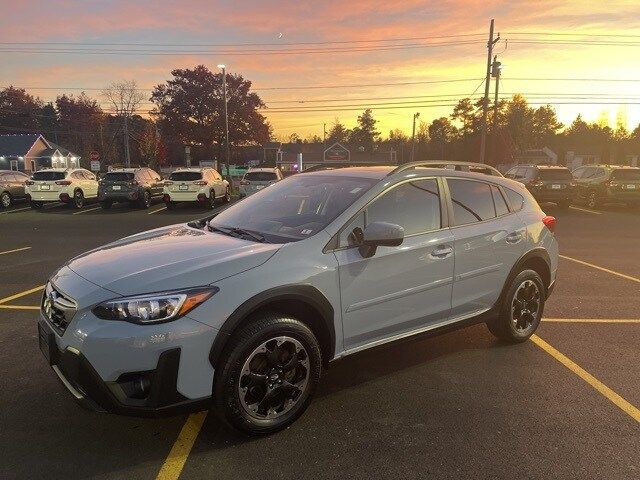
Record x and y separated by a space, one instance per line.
21 294
591 320
15 250
174 463
19 307
16 210
585 210
612 272
612 396
85 211
156 211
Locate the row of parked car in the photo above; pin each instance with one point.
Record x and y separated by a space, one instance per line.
591 185
136 186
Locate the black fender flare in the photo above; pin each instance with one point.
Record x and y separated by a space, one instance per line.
305 293
537 252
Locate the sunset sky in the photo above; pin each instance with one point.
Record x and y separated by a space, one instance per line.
455 69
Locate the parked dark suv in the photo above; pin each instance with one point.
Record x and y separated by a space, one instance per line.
547 183
598 184
138 186
11 187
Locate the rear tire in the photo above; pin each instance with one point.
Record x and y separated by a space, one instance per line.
145 200
211 201
267 374
106 205
5 200
521 310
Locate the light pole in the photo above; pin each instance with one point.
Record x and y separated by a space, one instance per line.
226 120
413 134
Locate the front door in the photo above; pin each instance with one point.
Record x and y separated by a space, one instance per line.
399 289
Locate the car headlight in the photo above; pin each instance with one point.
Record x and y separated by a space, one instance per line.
153 307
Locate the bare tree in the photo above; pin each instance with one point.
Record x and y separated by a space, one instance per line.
125 98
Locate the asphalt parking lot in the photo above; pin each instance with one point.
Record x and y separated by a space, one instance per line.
461 405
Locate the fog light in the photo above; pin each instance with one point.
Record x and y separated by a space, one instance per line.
135 385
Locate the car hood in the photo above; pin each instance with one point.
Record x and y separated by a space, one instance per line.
169 258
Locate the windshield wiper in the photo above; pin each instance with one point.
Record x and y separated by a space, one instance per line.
237 232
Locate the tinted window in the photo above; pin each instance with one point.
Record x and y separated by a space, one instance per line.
295 208
472 201
626 174
498 200
48 175
415 206
260 176
516 201
185 176
589 172
118 177
554 174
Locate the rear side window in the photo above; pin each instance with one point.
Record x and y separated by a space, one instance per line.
260 176
625 174
499 201
472 201
185 176
554 174
45 175
118 177
516 201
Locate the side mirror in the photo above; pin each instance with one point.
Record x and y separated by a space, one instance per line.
378 234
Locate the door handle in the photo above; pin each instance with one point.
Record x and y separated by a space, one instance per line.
514 237
441 251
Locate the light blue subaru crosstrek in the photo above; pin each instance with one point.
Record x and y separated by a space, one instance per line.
240 312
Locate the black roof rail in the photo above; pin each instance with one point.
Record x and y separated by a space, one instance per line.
443 164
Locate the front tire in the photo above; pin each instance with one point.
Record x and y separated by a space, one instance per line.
145 200
592 199
78 199
521 309
227 195
267 375
211 201
5 200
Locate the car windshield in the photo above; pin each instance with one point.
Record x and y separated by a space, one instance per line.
48 175
555 174
185 176
295 208
626 174
260 176
118 177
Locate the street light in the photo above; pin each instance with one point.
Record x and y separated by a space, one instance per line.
413 134
226 120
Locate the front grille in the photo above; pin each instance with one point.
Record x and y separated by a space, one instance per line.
57 308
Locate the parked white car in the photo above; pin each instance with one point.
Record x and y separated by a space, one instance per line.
202 185
67 185
258 178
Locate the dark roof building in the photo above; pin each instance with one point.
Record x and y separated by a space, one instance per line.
31 152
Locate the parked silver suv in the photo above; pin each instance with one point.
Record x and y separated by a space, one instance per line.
243 310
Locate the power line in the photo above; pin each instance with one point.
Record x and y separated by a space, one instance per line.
576 34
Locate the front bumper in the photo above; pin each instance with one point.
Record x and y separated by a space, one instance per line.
87 387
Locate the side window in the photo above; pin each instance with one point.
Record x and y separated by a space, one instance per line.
77 175
415 206
589 172
472 201
515 200
498 200
577 173
511 173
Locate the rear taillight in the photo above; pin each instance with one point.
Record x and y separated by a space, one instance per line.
63 182
29 182
550 223
244 182
200 182
536 184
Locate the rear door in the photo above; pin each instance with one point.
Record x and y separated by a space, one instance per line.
486 245
91 185
399 289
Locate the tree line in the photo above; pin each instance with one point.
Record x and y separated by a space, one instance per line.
187 109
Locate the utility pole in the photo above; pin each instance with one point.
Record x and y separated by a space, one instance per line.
324 135
126 139
226 121
413 135
485 102
495 73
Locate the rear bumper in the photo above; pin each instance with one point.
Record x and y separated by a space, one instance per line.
118 197
48 197
186 196
88 389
